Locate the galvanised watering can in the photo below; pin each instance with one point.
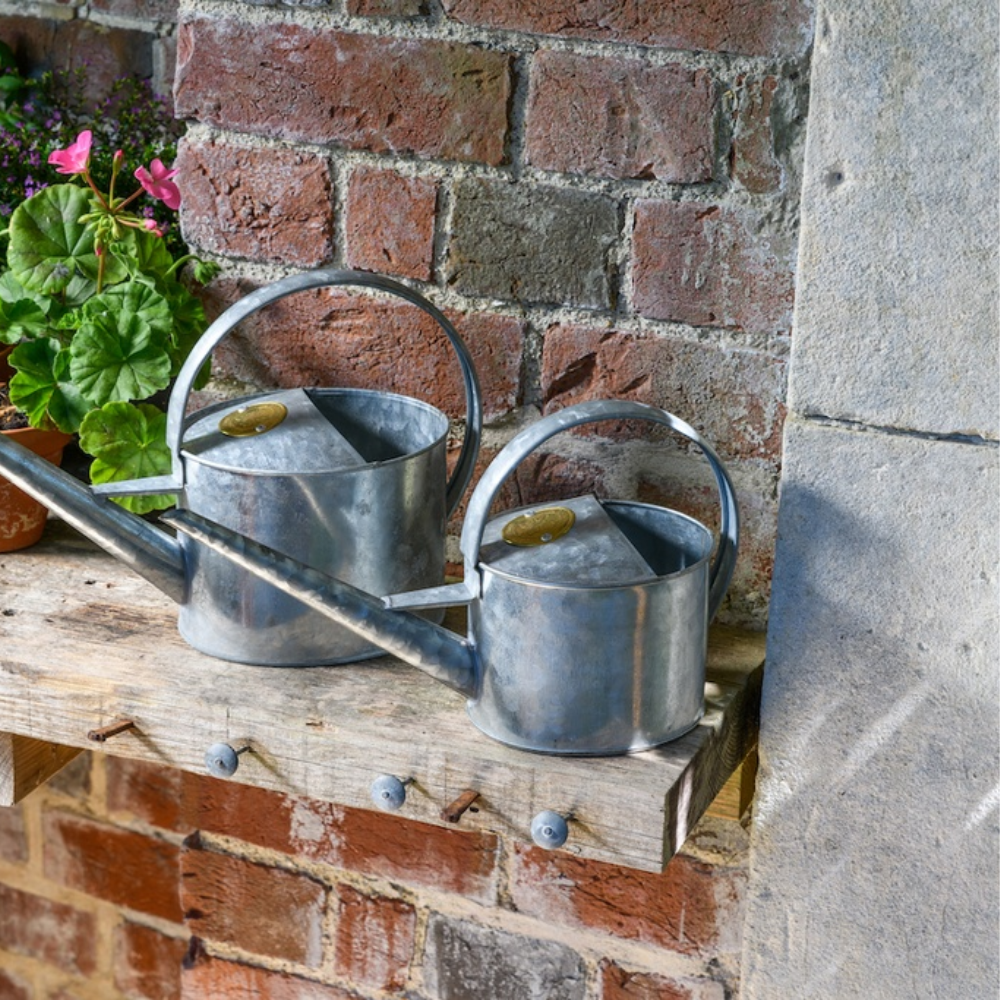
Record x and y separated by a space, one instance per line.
587 620
352 482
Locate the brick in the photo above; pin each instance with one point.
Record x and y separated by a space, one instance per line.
406 96
50 932
262 204
375 938
155 794
13 987
218 979
459 861
734 397
390 223
120 866
753 159
147 10
332 338
465 960
620 118
106 52
619 984
766 28
690 908
387 8
257 907
147 964
710 265
13 838
532 245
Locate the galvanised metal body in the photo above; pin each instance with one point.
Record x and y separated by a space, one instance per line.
587 621
352 482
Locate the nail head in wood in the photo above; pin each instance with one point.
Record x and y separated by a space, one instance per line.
112 729
454 812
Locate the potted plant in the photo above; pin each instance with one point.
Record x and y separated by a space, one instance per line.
101 321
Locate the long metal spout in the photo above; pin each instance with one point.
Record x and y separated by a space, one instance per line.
150 552
444 655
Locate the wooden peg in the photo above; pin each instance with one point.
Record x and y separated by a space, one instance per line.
112 729
454 812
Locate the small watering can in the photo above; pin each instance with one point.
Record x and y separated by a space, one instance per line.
352 482
587 620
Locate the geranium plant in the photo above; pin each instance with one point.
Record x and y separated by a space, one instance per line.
94 301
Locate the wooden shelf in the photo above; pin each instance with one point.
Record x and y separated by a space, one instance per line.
85 642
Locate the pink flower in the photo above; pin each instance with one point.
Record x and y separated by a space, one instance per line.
151 225
73 159
158 182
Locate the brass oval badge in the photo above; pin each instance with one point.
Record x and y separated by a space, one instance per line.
248 421
539 527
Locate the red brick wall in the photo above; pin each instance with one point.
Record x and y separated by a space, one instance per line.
603 198
121 879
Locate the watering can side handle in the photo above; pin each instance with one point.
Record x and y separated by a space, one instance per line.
521 446
256 300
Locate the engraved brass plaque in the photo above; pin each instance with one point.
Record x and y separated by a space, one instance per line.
249 421
539 527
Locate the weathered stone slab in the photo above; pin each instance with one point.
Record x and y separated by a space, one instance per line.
875 843
896 307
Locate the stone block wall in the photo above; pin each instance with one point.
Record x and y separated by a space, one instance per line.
603 199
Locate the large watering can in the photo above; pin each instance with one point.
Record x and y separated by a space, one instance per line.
352 482
587 620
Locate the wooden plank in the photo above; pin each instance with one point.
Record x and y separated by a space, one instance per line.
737 793
84 642
26 763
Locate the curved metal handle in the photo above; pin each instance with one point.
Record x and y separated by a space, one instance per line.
518 449
256 300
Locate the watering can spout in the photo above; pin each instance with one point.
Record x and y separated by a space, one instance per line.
150 552
438 652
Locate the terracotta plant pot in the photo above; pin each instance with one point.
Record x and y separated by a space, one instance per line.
22 519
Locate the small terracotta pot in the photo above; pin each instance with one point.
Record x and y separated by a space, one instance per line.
22 518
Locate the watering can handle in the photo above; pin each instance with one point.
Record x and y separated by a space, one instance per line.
517 450
256 300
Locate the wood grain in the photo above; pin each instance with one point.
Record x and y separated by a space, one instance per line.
85 642
26 763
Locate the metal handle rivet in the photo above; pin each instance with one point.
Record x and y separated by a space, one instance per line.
549 830
222 760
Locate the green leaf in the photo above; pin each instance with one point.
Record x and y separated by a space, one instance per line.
205 271
128 441
132 298
151 254
189 323
41 386
79 290
49 246
115 358
7 60
22 320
